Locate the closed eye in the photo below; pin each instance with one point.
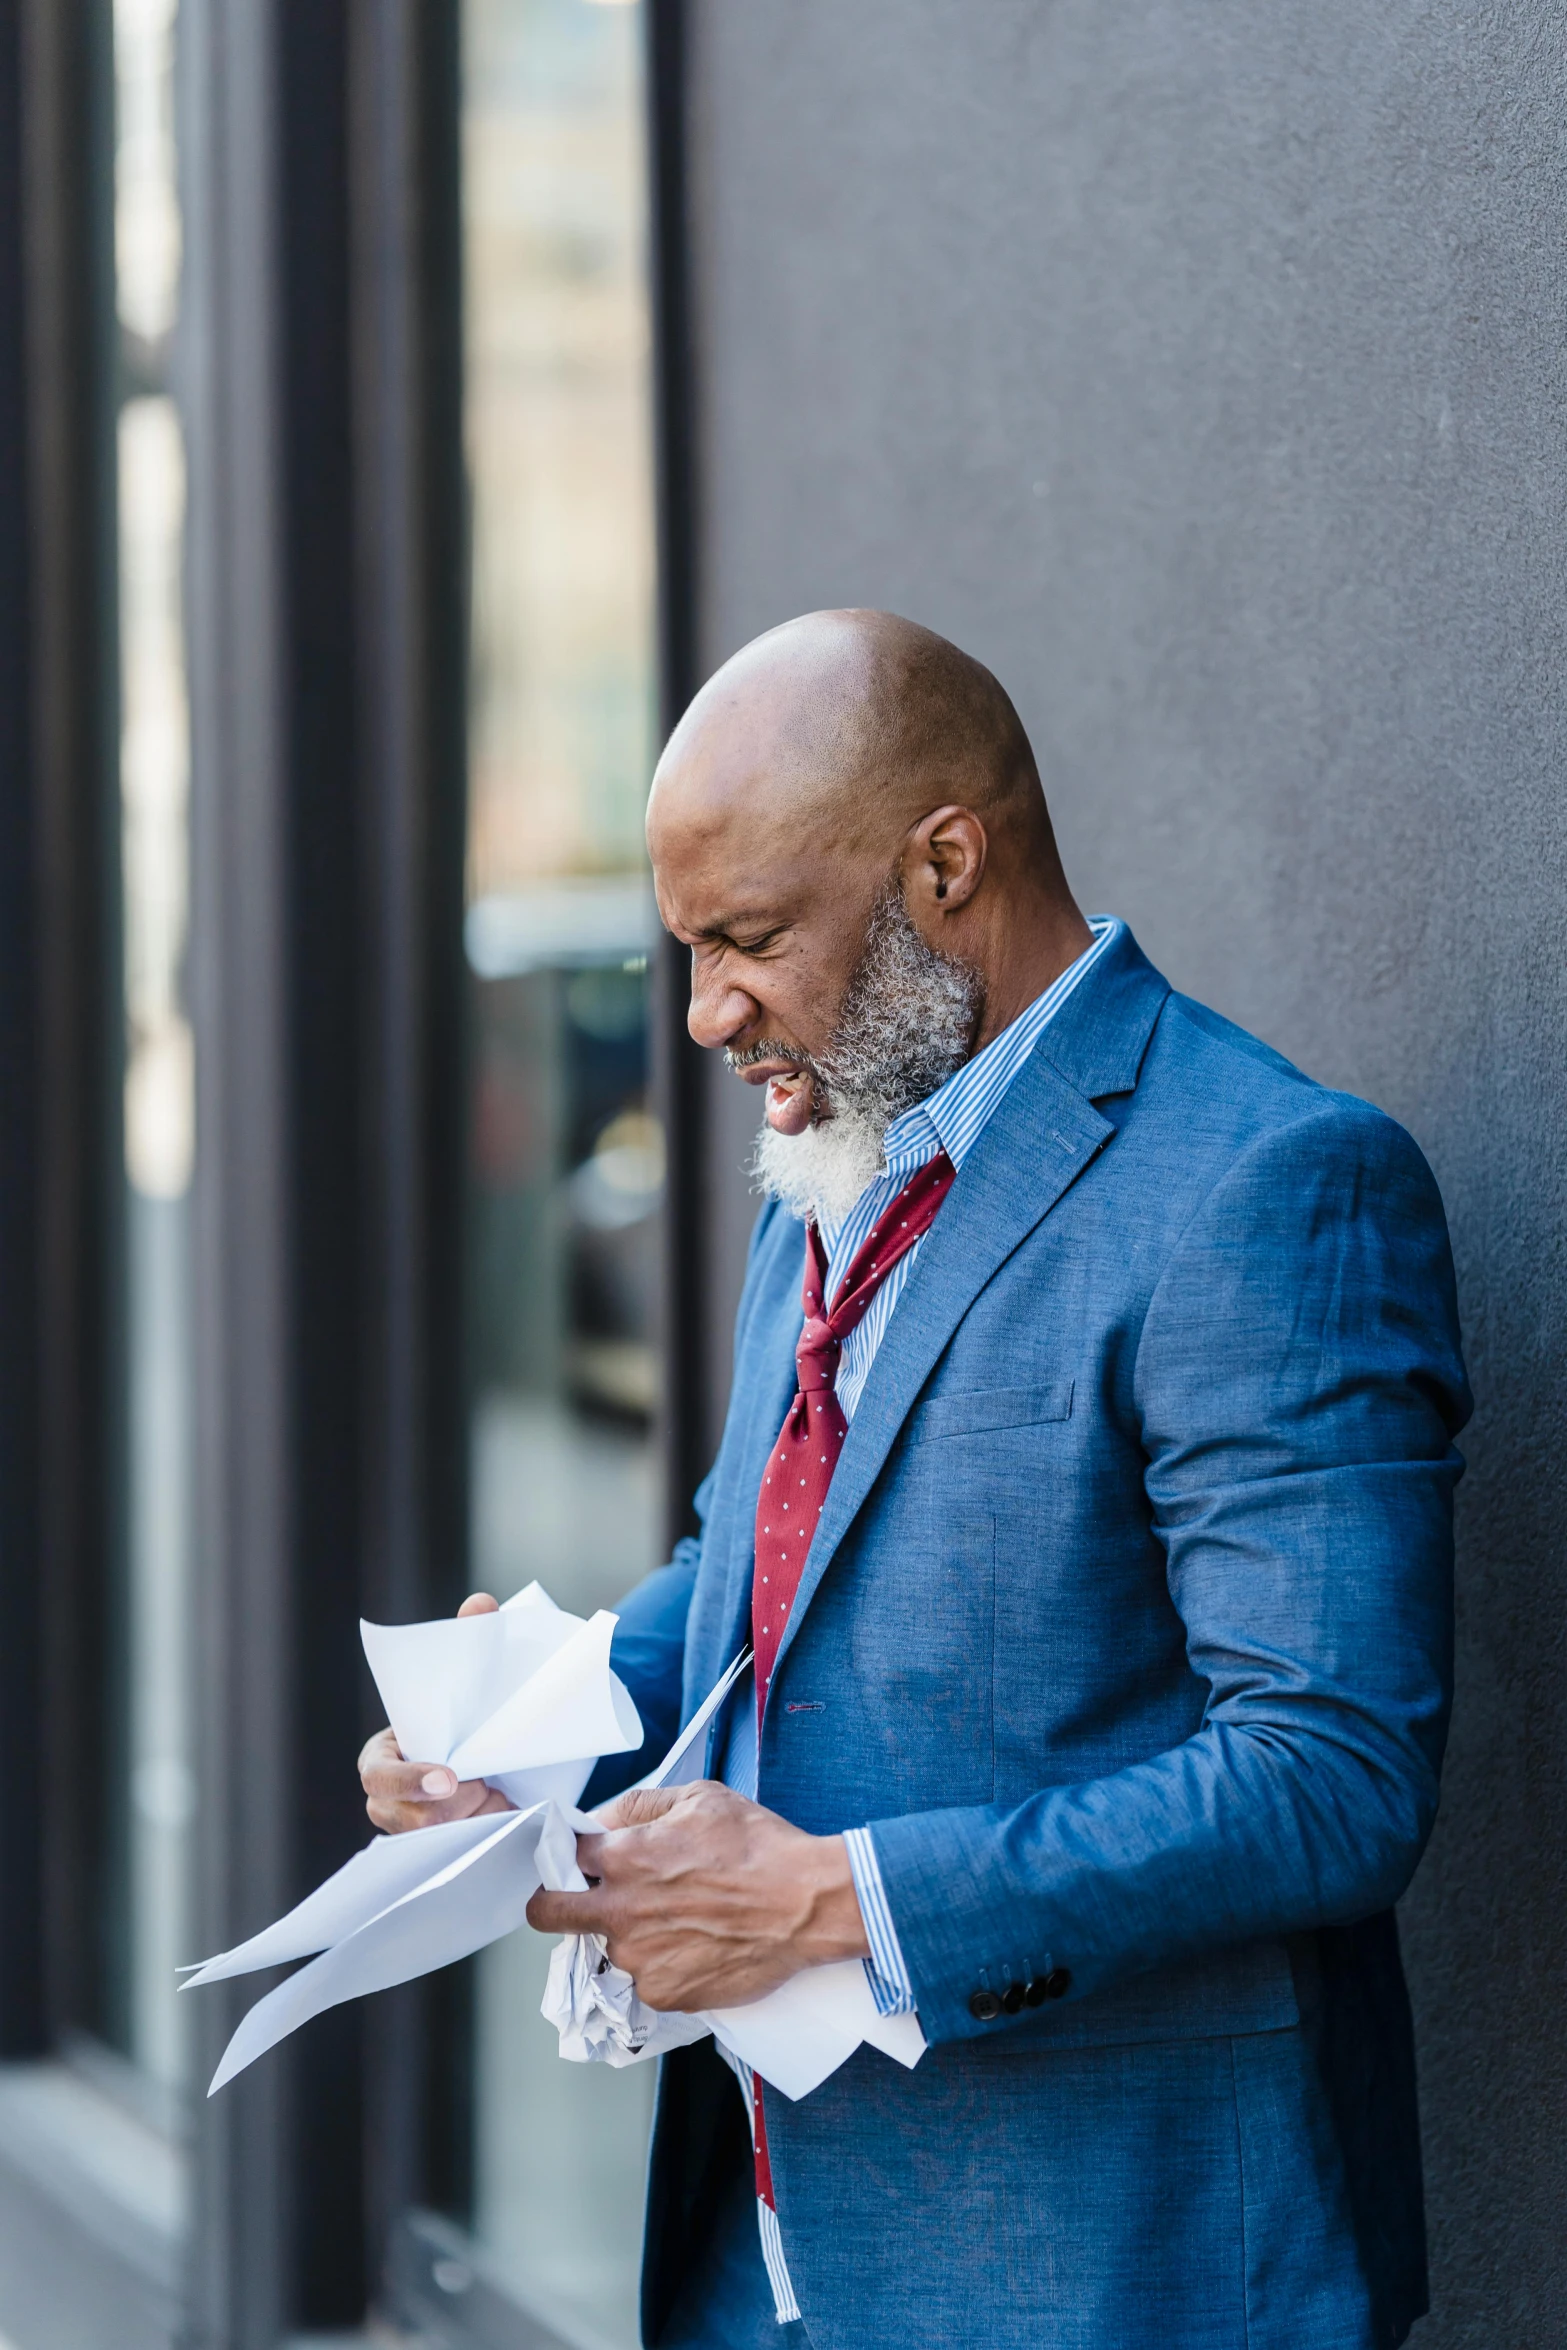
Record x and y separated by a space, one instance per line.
759 946
719 942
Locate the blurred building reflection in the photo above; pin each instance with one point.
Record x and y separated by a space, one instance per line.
568 1158
159 1115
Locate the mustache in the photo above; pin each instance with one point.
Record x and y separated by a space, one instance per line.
751 1056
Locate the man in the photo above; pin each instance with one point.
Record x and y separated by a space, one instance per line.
1086 1496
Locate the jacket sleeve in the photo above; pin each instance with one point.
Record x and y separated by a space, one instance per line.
648 1652
1298 1383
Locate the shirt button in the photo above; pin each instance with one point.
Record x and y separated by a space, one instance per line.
984 2007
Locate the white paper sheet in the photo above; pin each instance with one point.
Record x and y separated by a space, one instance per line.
480 1895
812 2024
383 1873
525 1698
685 1759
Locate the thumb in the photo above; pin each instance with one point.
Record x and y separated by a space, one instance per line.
479 1603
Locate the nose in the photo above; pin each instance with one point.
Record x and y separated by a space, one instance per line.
719 1010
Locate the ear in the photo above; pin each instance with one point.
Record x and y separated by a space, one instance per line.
943 862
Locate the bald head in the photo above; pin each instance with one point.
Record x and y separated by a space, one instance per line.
845 765
858 722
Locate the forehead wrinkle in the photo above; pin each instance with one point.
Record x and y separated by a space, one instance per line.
792 856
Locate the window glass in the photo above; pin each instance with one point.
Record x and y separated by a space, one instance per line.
566 1155
159 1123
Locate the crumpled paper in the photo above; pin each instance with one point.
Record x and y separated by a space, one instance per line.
794 2037
592 2003
595 2008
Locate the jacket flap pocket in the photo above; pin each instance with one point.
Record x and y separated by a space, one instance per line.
994 1407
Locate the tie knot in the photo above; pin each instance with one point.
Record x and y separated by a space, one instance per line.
816 1356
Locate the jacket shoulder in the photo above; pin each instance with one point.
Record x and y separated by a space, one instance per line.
1205 1059
1230 1055
1225 1114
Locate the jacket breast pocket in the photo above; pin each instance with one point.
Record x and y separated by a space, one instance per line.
913 1619
993 1407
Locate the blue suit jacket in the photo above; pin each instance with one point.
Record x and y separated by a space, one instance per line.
1127 1627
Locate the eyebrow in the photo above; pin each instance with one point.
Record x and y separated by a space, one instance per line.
730 925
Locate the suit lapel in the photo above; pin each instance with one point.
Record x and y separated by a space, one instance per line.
1043 1135
1006 1186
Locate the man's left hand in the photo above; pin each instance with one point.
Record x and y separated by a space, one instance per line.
707 1900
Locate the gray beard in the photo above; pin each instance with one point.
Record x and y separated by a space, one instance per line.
908 1022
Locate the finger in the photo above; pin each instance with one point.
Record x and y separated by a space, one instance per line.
565 1913
384 1771
382 1748
412 1782
590 1850
479 1603
396 1819
639 1805
472 1800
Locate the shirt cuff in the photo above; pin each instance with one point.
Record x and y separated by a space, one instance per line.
885 1971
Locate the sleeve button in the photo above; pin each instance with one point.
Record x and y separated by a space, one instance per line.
1012 1999
1058 1982
984 2007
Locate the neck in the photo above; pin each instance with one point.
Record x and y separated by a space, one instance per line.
1035 941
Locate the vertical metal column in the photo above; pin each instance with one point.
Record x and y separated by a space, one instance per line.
412 570
68 146
681 1080
60 1153
329 986
23 2023
276 994
229 383
322 395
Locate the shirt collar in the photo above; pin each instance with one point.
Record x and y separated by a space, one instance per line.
955 1115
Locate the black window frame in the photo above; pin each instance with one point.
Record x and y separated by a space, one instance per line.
61 1147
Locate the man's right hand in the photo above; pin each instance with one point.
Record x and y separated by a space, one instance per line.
401 1794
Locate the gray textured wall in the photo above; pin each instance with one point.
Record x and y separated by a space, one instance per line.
1203 370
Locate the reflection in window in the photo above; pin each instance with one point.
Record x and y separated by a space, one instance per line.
159 1075
567 1156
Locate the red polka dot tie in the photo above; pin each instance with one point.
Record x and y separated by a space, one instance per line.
800 1468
